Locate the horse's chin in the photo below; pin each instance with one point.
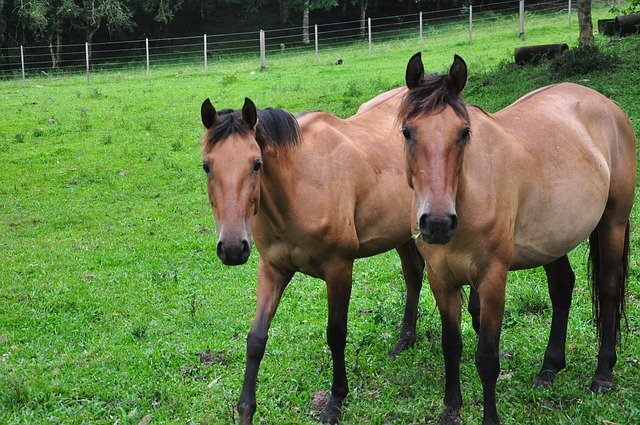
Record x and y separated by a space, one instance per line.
436 239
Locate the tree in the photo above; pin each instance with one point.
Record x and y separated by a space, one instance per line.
584 23
161 13
48 19
93 13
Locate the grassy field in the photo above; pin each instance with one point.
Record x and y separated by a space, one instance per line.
110 287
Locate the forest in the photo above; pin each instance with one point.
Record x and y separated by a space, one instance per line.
58 22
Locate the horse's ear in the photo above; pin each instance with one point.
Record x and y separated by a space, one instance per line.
415 71
249 113
208 114
458 74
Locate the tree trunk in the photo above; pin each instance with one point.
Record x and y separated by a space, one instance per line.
363 17
55 51
584 23
305 22
284 12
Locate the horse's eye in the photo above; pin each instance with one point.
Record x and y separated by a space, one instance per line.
464 136
406 133
206 168
257 166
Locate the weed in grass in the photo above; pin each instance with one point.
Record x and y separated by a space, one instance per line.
38 132
107 137
85 122
96 94
582 61
19 138
228 79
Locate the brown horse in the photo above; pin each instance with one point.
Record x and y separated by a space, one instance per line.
515 190
316 192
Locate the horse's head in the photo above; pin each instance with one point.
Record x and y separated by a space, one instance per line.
232 161
435 124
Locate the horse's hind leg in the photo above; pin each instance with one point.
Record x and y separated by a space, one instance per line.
412 270
271 284
338 276
560 279
609 251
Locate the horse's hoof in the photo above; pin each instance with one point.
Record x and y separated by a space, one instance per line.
450 417
404 342
544 379
332 411
600 386
245 412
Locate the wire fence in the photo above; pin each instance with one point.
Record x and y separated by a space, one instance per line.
470 21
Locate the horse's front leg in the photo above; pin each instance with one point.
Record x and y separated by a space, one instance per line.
560 279
449 304
338 277
271 284
491 290
412 271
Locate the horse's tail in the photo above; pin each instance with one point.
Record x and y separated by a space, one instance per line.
594 273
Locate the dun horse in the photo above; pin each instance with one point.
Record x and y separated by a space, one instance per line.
316 193
515 190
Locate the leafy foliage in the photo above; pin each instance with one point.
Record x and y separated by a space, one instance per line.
582 61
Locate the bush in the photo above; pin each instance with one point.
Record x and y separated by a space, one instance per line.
582 61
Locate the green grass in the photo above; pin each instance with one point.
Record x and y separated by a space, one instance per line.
109 284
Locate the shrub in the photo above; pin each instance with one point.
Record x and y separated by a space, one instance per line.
582 61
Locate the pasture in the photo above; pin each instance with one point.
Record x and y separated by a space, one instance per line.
115 309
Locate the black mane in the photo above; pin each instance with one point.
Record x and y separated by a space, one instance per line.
432 94
276 128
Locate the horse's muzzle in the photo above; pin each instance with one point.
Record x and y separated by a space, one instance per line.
438 229
233 254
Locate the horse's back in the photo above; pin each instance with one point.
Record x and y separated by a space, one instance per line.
572 155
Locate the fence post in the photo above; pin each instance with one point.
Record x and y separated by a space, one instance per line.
369 22
316 41
619 8
146 43
22 62
521 18
206 64
263 54
569 8
470 25
86 55
420 30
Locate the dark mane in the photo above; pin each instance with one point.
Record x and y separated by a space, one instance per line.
276 128
433 93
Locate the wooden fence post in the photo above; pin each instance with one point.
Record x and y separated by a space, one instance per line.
206 63
420 30
316 41
146 44
22 62
521 18
470 25
86 55
369 22
263 53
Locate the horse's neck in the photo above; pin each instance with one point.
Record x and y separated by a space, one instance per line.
276 184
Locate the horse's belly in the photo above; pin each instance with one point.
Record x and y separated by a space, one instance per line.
543 239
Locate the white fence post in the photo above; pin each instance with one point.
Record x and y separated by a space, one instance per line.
470 25
86 55
206 64
316 38
22 61
619 8
369 22
263 54
569 8
521 18
146 43
420 30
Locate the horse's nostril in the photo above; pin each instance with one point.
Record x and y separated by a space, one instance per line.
220 251
422 223
454 221
246 249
